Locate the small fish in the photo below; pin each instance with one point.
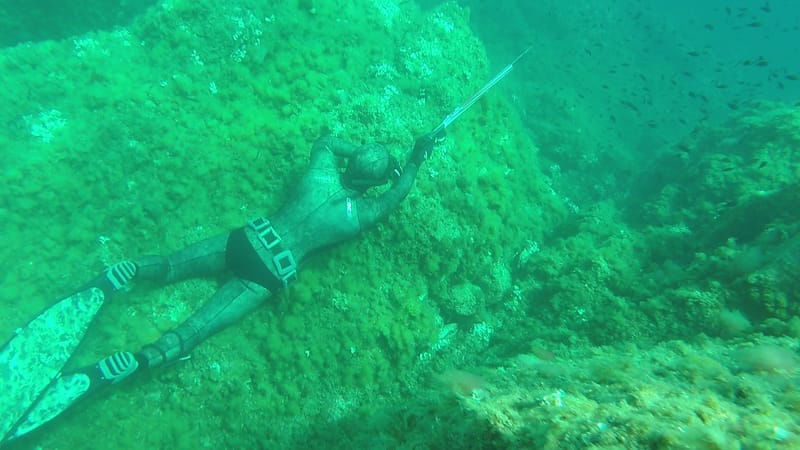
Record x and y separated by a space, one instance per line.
630 105
762 164
755 24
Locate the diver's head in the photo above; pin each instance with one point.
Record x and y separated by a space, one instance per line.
371 166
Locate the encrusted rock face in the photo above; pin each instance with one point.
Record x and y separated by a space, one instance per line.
465 299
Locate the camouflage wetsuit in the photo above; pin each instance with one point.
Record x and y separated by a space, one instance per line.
321 211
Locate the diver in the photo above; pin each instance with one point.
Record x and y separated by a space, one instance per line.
325 207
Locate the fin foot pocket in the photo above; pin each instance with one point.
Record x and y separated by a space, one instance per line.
117 367
120 274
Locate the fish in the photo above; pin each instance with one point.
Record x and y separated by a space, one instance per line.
630 105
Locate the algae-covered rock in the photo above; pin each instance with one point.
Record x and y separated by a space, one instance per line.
465 299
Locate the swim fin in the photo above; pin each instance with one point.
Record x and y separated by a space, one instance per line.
32 360
68 388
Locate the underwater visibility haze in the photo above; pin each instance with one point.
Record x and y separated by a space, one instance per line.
603 251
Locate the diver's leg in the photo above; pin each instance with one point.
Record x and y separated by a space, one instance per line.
230 303
203 258
200 259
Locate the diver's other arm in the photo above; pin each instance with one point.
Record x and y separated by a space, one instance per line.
325 151
329 145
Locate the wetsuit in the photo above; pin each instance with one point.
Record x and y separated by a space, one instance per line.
321 211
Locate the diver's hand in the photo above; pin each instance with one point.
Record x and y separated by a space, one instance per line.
394 170
423 147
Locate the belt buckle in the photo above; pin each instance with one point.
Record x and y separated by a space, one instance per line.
285 266
265 232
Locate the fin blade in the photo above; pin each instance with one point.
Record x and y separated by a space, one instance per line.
34 357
